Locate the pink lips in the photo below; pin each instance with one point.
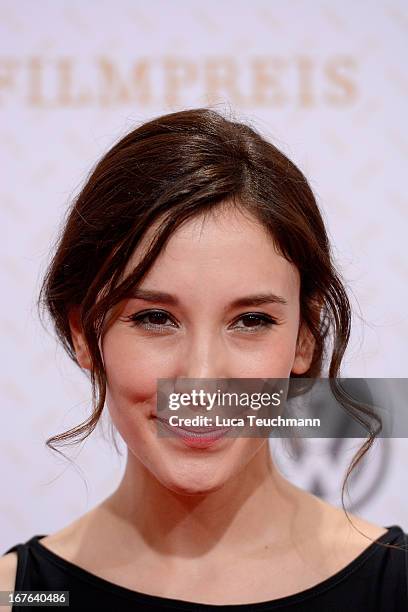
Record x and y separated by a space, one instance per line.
197 437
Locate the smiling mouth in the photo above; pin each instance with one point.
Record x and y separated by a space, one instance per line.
199 431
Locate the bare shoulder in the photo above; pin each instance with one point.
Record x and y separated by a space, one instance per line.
8 570
65 541
70 541
348 532
352 526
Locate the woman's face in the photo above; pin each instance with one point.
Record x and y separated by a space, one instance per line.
198 332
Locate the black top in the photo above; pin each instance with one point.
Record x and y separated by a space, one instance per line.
376 580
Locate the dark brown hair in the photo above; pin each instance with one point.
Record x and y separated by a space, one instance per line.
169 170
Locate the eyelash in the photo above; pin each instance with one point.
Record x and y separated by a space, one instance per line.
137 320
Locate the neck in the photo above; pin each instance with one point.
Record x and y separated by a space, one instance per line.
256 509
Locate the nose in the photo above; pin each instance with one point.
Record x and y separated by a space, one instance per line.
204 363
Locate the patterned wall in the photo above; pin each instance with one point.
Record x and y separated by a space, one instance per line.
325 80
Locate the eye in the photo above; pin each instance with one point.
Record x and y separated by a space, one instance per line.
150 320
256 322
155 320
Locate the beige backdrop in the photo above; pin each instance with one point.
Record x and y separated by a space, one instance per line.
325 80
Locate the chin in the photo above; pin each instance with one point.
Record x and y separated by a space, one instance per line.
192 487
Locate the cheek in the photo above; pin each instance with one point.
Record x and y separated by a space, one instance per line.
131 374
276 356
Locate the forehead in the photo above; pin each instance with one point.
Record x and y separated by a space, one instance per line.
227 247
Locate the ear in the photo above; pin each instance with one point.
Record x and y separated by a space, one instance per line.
304 350
78 339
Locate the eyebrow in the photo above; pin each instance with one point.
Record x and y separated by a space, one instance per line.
256 299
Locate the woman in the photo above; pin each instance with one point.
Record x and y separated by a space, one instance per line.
196 250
